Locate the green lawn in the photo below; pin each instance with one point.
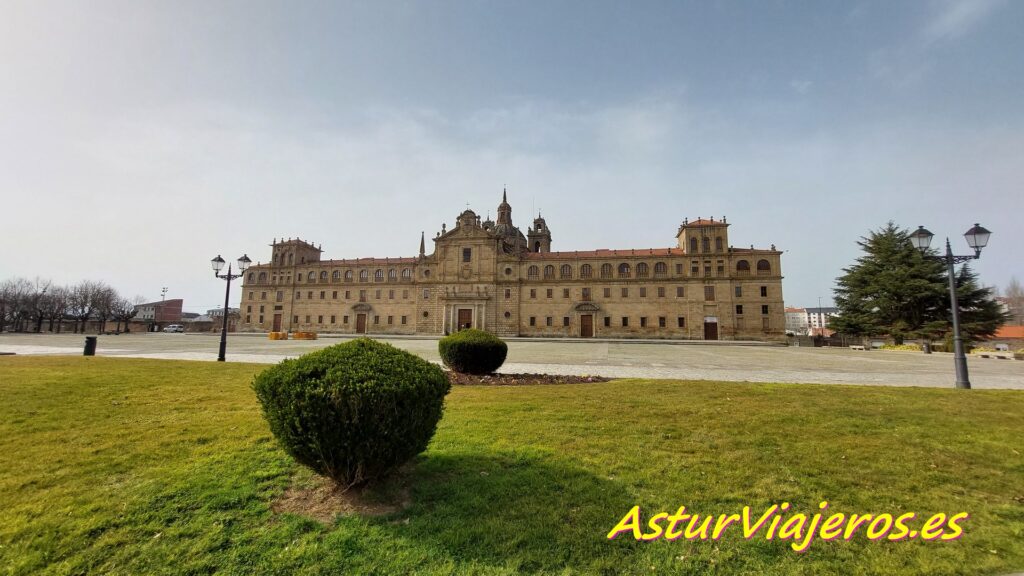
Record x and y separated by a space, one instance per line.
129 466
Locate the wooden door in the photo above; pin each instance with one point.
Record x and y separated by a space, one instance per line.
465 318
360 323
277 323
711 330
587 326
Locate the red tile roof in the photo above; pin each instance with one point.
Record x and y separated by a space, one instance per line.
1010 332
361 261
606 253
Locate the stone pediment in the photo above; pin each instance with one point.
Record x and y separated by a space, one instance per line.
586 307
362 307
463 233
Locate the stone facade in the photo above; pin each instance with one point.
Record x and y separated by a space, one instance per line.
489 275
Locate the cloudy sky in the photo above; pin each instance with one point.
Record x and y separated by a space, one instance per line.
139 139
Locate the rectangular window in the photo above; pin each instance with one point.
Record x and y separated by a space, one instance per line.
625 292
280 295
765 323
607 292
661 321
298 295
548 320
344 319
405 319
391 320
376 319
334 295
680 291
319 319
607 321
261 308
405 294
681 321
586 294
467 254
426 293
694 269
739 309
263 296
565 321
661 291
739 291
764 309
533 292
348 294
248 308
247 319
322 294
295 319
709 293
720 268
643 321
376 295
679 269
309 295
764 291
362 295
391 294
625 321
508 293
533 320
250 295
643 292
307 318
334 319
565 292
550 292
261 319
707 269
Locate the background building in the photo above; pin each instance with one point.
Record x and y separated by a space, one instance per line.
489 275
157 315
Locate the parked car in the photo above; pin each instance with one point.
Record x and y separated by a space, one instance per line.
174 328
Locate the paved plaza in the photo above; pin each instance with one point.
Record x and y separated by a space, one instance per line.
616 359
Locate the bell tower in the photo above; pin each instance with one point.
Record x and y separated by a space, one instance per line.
539 235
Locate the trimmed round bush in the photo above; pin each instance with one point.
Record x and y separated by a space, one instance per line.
473 352
355 411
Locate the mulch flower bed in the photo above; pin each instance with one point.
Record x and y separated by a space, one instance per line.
519 379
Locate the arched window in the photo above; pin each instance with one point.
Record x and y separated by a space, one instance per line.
549 271
532 271
392 275
743 268
586 271
336 275
311 276
378 276
406 274
624 271
263 277
718 244
536 246
348 275
764 268
289 258
323 276
252 277
364 275
565 271
606 270
642 270
706 244
660 269
693 245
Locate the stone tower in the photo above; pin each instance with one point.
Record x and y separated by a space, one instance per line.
539 235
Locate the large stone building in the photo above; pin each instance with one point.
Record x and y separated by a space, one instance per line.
490 275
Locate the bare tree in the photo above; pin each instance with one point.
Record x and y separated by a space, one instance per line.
37 302
104 298
1014 298
16 296
56 306
125 309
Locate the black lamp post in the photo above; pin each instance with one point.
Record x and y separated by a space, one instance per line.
977 238
218 265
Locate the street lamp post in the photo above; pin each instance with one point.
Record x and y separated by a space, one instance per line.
218 265
977 238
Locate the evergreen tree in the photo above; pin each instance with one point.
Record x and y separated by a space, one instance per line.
891 289
980 312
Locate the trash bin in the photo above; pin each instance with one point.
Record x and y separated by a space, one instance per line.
90 346
927 347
